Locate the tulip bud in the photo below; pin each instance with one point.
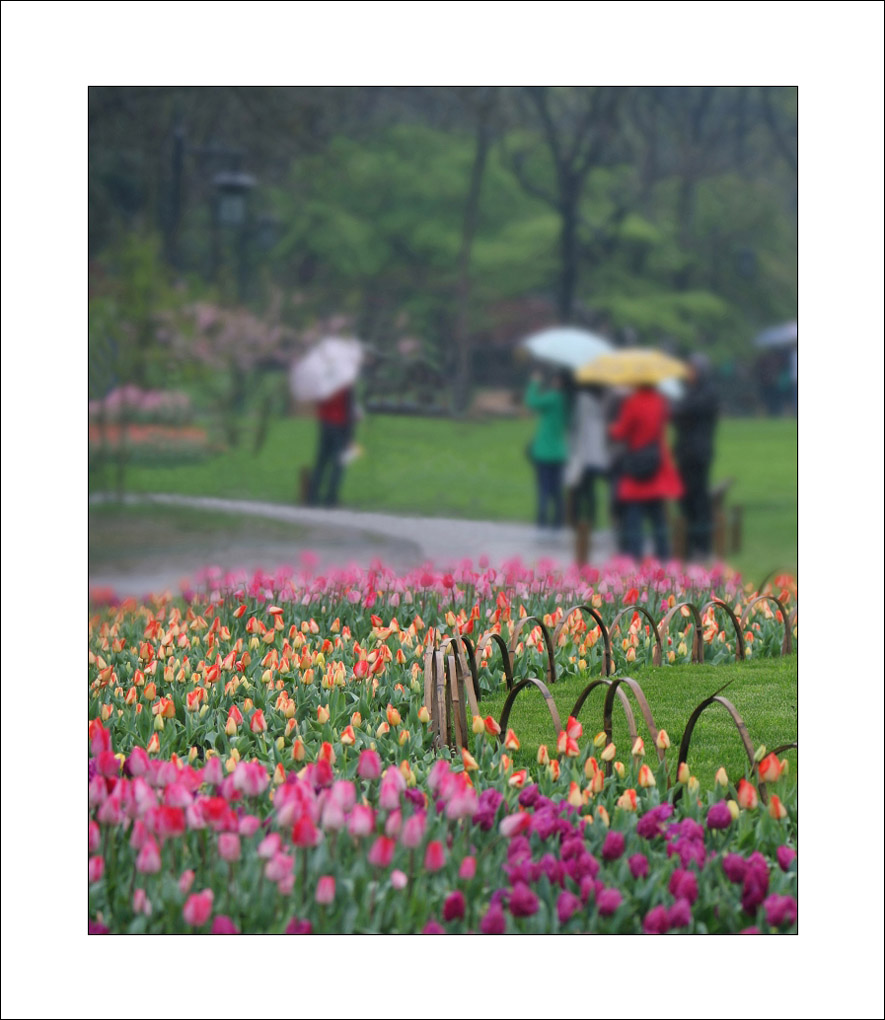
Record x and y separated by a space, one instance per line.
620 769
608 752
299 752
627 800
734 809
775 808
574 795
382 729
393 716
602 815
553 770
348 737
663 740
646 777
511 741
721 777
280 743
543 755
159 722
423 715
403 737
491 727
478 725
682 773
322 714
600 740
470 763
693 785
638 748
760 753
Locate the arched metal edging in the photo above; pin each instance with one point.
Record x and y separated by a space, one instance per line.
493 637
463 676
696 619
793 618
548 641
644 708
741 728
548 697
741 647
787 645
792 746
657 654
608 662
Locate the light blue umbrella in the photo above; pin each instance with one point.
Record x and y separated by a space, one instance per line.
566 346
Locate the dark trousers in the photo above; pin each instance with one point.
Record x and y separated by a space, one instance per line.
584 496
697 508
327 471
550 495
653 511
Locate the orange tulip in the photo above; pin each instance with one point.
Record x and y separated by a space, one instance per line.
470 763
491 727
393 716
627 800
747 796
348 737
511 742
543 755
770 769
775 808
257 724
646 777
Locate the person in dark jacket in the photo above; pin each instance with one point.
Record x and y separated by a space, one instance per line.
336 417
694 418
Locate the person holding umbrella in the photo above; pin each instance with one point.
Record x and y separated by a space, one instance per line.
647 475
326 376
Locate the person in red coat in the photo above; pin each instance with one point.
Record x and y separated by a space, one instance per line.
642 422
336 419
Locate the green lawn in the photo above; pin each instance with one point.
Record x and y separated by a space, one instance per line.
763 691
479 470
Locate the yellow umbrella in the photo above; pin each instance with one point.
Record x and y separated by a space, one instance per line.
634 366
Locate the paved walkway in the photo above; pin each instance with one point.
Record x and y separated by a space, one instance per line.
347 536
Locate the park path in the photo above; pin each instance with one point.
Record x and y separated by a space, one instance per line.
344 537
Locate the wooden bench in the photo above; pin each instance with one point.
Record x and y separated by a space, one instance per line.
727 524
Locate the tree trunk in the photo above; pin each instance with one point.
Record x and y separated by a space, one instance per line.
462 387
568 251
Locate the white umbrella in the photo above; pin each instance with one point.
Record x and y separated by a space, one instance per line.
566 346
779 336
332 365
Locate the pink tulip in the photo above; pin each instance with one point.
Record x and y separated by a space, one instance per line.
186 881
251 778
361 821
94 837
249 825
414 829
177 795
369 766
140 903
198 907
434 856
108 764
269 846
467 869
398 879
393 824
229 846
381 853
333 817
138 761
148 860
325 893
96 868
278 867
514 824
213 771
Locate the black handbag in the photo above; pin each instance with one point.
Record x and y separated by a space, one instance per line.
644 463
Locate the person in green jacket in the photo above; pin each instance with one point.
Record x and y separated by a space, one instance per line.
549 448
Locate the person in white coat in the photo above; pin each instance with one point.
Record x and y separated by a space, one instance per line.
589 461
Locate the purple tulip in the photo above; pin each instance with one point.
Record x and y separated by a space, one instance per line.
638 864
719 817
780 910
785 857
296 927
613 846
735 867
679 915
608 901
493 922
656 921
684 885
566 905
454 906
523 902
433 928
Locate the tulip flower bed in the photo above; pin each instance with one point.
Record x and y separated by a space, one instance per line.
261 760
